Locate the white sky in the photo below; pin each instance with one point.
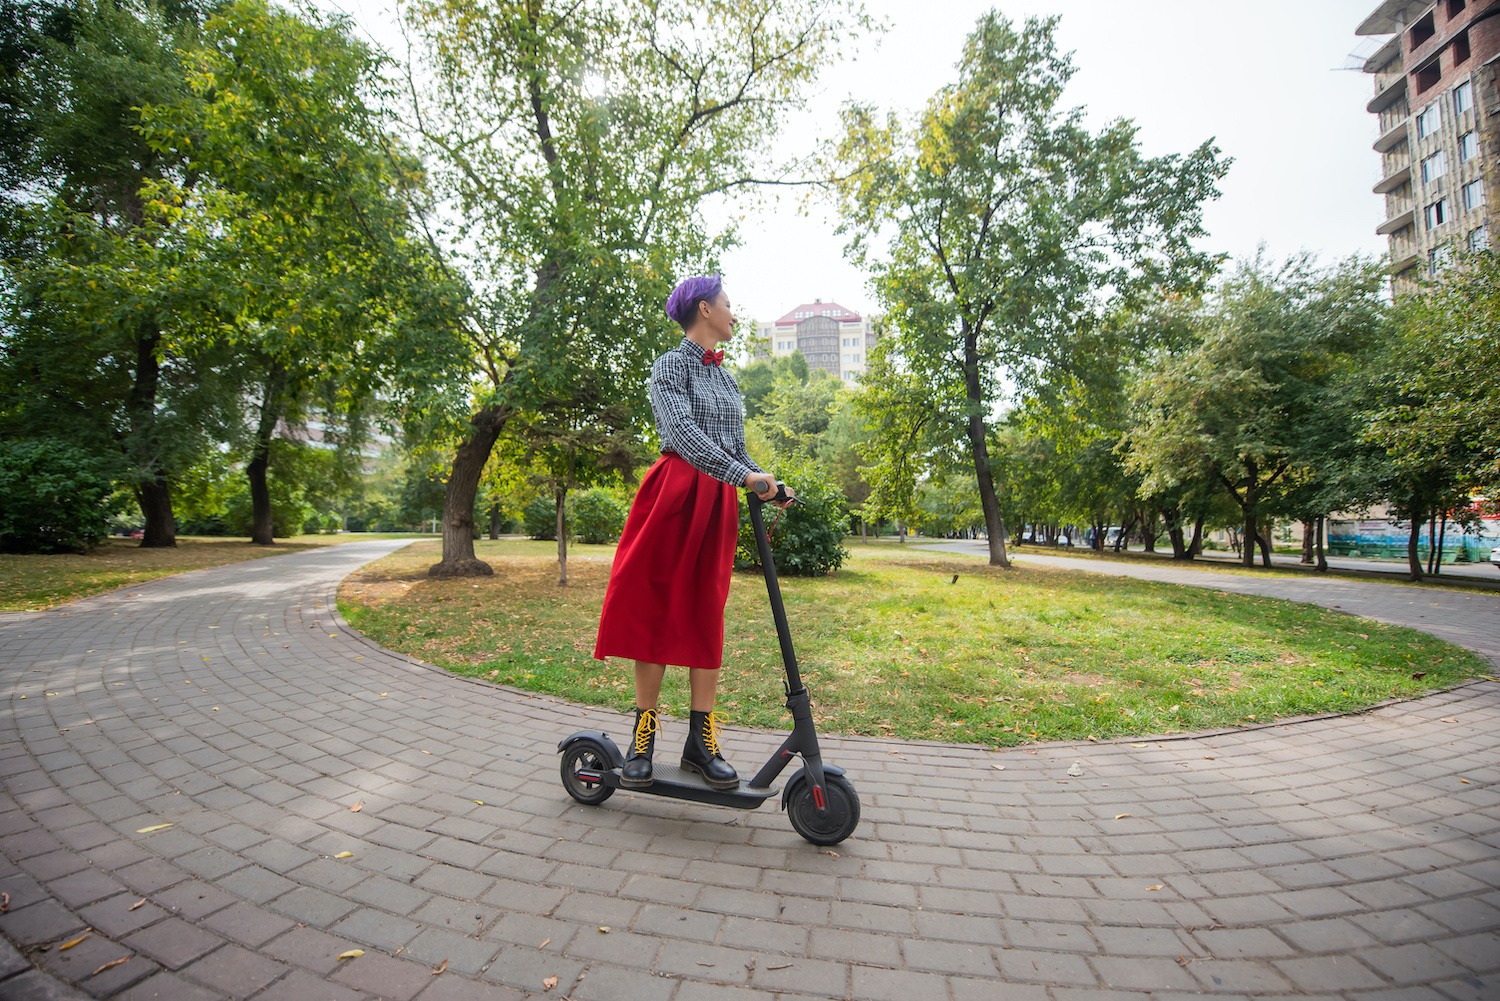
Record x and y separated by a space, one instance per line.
1263 77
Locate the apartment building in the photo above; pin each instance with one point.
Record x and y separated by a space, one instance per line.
1439 128
830 337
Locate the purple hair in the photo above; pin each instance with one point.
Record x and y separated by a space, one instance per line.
682 304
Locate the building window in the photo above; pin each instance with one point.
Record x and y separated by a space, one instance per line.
1461 48
1437 213
1434 166
1424 29
1463 97
1428 120
1455 8
1479 239
1473 195
1468 147
1427 77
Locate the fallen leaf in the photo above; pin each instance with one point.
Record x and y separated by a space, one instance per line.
998 768
110 964
357 807
1465 781
344 855
1418 675
384 694
833 853
216 709
604 929
1183 961
1208 757
1448 719
1140 745
426 752
1122 816
549 983
479 801
544 943
352 954
4 903
1158 886
440 968
69 944
138 903
158 827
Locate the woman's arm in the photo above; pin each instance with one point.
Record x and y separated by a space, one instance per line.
679 428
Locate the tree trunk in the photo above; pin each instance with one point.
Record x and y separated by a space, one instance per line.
1151 530
1414 549
260 495
1322 556
1247 541
1179 544
562 536
463 488
1442 537
155 498
494 521
901 532
979 445
1196 548
864 532
1309 529
154 492
1265 550
1431 539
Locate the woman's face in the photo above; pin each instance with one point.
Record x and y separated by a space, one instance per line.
717 316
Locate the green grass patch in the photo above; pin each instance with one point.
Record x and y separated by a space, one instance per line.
30 583
893 645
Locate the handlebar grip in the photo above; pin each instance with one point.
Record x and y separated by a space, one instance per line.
781 495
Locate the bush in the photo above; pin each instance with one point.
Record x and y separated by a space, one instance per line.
540 518
807 540
596 516
54 498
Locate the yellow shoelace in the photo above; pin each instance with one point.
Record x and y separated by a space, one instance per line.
644 728
711 731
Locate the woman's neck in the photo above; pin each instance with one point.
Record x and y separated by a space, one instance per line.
703 336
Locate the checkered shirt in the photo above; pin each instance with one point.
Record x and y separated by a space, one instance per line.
700 414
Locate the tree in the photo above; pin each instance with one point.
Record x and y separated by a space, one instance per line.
1012 223
578 140
1251 406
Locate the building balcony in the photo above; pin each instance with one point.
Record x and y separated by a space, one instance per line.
1388 97
1391 16
1394 181
1395 223
1391 139
1405 263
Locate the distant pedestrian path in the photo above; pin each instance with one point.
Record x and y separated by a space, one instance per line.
1468 619
217 790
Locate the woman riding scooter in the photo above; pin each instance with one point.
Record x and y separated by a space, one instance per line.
670 579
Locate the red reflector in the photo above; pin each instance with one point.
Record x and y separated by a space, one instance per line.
818 797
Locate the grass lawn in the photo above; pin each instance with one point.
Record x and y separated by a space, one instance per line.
28 583
893 645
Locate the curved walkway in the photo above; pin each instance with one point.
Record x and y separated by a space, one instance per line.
1352 857
1467 618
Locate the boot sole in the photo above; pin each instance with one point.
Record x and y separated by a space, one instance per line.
717 786
637 784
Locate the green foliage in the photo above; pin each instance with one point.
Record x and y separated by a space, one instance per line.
596 516
807 541
54 497
539 518
759 378
1012 224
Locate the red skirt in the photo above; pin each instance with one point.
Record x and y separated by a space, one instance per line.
670 579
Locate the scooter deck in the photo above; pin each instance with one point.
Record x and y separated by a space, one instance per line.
680 783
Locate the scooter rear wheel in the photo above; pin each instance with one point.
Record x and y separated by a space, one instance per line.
841 818
585 756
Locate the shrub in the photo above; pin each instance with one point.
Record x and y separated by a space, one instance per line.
540 518
54 498
807 540
596 516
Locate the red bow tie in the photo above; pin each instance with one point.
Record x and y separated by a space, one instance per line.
713 357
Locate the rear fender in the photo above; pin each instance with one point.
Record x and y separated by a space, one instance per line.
611 752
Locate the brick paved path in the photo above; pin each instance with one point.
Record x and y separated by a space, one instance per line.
1470 619
1352 857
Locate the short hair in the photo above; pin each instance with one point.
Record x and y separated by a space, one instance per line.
682 304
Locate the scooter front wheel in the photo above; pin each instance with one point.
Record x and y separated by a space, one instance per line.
842 815
581 763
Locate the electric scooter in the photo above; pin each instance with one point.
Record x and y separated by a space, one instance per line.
819 801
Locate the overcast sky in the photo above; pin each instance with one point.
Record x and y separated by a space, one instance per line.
1265 79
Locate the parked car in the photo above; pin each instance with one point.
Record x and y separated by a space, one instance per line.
1495 557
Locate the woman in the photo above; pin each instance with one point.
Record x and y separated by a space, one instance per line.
665 600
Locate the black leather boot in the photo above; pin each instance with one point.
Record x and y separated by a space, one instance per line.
637 771
702 752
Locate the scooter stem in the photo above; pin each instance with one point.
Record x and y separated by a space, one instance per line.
773 590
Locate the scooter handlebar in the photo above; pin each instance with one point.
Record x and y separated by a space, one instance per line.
759 487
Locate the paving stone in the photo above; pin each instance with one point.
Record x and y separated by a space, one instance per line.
168 987
234 971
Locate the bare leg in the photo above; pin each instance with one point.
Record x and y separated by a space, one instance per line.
648 684
704 685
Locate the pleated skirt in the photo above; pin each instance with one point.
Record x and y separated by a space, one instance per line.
665 600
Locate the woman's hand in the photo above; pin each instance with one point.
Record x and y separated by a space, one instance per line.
763 485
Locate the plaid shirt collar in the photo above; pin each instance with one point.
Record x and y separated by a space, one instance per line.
692 349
